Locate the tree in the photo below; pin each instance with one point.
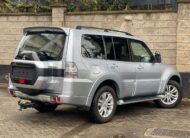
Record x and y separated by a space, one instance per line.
72 5
6 6
95 5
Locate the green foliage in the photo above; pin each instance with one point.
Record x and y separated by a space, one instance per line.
72 5
6 6
32 7
95 5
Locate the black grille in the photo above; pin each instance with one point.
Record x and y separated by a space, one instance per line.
26 72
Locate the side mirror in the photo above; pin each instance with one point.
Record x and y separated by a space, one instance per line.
144 59
158 57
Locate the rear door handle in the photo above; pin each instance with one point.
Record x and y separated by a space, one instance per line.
140 67
114 65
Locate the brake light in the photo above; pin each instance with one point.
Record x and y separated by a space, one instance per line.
71 70
21 81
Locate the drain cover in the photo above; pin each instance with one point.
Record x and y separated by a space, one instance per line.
169 133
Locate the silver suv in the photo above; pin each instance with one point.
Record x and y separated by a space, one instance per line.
92 68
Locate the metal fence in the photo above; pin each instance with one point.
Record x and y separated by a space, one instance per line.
153 4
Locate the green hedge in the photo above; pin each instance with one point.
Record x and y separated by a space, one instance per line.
72 5
95 5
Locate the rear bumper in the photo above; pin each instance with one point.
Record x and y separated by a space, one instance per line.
51 98
67 90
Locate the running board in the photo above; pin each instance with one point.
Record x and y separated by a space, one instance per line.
139 99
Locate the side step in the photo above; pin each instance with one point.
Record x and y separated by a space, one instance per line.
139 99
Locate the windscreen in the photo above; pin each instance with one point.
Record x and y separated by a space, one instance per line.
42 46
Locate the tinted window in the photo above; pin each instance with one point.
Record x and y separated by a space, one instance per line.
121 49
109 48
48 45
92 46
140 52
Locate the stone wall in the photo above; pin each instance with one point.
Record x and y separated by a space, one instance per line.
165 31
11 31
183 37
157 29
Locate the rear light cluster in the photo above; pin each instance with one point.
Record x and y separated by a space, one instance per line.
23 73
22 81
56 99
71 70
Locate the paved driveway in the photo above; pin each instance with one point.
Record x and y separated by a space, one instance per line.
136 120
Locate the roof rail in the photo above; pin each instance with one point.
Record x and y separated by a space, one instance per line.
103 29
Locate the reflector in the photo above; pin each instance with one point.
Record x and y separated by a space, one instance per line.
58 99
54 99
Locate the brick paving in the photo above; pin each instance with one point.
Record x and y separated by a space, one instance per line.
67 121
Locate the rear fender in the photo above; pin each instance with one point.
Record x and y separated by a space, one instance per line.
98 82
167 74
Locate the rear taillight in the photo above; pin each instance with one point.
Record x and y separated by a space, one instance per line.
71 70
21 81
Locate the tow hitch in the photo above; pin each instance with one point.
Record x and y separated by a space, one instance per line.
25 105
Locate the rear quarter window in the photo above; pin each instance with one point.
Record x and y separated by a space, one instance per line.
92 46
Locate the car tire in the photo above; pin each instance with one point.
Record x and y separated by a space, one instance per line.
44 107
104 105
173 95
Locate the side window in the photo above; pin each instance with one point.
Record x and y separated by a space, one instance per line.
92 46
140 52
109 48
121 49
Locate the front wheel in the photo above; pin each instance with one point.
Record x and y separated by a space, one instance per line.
173 95
104 105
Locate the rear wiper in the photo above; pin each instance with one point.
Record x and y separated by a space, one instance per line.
46 55
28 55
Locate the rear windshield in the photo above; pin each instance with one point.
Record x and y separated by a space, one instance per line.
43 46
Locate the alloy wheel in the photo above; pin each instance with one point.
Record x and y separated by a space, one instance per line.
105 104
171 95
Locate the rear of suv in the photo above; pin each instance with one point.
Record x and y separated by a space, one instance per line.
93 68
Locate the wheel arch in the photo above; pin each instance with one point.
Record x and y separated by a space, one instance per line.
172 79
170 75
102 82
176 78
110 83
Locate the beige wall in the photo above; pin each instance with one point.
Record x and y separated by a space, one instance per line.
165 31
11 30
158 30
183 37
